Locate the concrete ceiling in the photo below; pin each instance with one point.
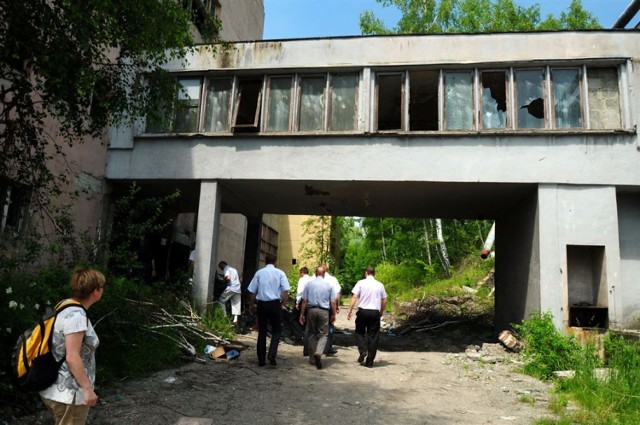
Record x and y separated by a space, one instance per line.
372 199
352 198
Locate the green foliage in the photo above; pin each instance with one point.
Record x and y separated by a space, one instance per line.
546 350
293 277
216 321
473 16
83 65
136 217
123 322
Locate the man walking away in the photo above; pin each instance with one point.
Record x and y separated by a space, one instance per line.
371 298
271 289
232 292
302 283
333 281
319 303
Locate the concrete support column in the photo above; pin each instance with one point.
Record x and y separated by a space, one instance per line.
252 249
206 243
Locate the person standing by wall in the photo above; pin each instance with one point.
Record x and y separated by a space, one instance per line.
270 288
371 298
319 299
74 339
233 291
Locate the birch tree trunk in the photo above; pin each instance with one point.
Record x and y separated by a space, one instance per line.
426 240
384 249
444 256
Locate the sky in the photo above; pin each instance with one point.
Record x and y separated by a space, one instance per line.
330 18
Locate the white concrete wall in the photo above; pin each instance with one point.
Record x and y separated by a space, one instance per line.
242 19
577 215
629 234
517 246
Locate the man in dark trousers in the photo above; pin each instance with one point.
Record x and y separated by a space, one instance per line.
270 288
371 298
319 302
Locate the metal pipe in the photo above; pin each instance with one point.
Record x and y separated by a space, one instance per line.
627 15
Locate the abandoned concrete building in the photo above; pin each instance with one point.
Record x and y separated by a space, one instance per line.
537 131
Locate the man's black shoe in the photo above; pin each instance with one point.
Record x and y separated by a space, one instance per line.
318 362
331 352
361 358
272 361
369 363
305 353
261 363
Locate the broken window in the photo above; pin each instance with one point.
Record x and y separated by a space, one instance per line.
218 105
458 100
389 104
604 98
247 105
14 201
566 98
530 98
494 99
344 89
311 103
186 117
423 100
279 110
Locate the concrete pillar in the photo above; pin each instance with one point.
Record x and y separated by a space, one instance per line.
206 243
252 249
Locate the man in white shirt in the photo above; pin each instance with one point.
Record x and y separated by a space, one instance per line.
371 298
302 283
270 288
232 292
329 350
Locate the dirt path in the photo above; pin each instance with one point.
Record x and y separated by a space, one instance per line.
411 383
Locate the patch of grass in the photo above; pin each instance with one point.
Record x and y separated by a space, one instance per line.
611 399
218 323
558 403
525 398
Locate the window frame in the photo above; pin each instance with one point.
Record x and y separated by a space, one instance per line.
545 81
403 98
508 99
255 125
267 103
298 101
552 97
356 105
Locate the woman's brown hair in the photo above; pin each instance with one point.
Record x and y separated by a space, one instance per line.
84 281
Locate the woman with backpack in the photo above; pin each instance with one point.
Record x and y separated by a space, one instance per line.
75 341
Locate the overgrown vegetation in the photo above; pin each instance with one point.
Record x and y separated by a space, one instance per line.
607 390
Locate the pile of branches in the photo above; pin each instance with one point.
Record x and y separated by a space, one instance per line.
432 313
180 328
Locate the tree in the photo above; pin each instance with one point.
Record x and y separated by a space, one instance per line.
69 69
472 16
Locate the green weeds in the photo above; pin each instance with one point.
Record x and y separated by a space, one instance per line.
607 391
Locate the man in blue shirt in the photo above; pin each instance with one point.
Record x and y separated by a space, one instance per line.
319 299
270 288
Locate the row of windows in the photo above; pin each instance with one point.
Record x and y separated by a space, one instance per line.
408 100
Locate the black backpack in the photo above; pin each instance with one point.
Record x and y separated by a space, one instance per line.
33 365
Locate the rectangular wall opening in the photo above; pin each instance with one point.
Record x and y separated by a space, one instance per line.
423 100
247 107
587 286
390 102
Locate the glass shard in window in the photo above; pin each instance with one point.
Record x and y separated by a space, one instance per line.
186 118
494 99
343 102
218 105
458 100
604 98
423 100
311 103
279 104
390 102
530 98
566 98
